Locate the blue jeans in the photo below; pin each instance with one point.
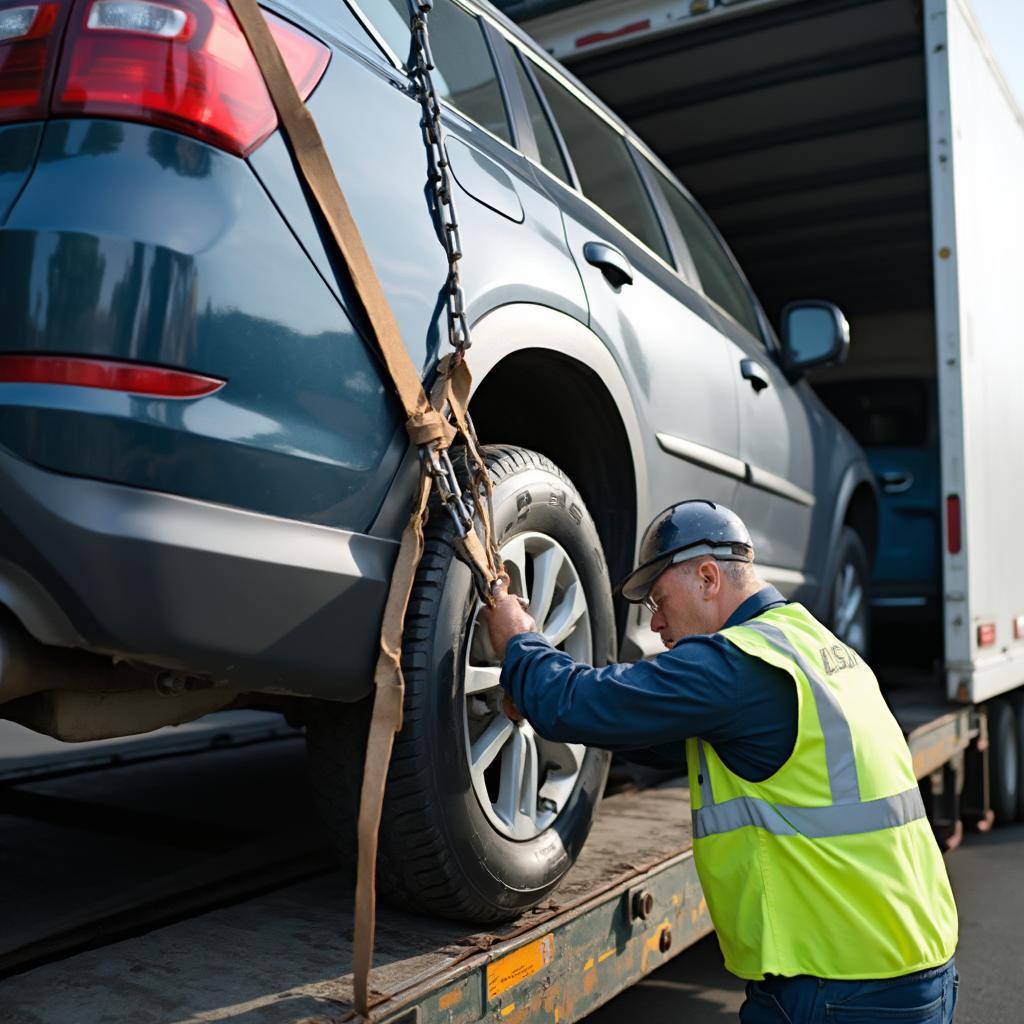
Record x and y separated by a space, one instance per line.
925 997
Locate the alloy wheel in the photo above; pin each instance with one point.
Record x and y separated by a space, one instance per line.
522 780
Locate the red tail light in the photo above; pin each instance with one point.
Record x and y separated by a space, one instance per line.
105 373
29 38
953 524
181 64
986 634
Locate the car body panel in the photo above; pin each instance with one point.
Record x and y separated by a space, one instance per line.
210 592
673 358
19 144
209 279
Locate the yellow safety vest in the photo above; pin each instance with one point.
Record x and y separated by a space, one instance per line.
828 867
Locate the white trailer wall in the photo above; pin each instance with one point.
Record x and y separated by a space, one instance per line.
977 170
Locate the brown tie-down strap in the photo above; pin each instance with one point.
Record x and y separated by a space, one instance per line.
426 424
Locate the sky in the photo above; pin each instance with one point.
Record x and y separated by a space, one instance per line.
1002 21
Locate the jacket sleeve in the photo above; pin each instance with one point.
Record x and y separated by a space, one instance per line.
687 691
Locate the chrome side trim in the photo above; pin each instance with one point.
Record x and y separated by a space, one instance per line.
766 481
709 458
729 465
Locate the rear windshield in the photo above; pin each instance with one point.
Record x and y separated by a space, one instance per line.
880 413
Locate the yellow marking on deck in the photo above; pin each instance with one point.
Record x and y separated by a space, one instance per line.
450 999
519 965
506 1010
588 964
676 900
604 956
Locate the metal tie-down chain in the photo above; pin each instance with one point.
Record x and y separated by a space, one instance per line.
460 505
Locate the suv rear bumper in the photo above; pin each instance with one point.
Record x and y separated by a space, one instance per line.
206 589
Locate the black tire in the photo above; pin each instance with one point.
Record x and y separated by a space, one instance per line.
851 564
439 852
1004 760
1017 700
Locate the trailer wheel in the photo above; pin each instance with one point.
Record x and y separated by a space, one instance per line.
481 818
849 609
1004 760
1017 700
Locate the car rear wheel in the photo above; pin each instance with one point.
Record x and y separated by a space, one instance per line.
482 817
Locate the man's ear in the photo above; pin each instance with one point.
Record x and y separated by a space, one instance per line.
710 577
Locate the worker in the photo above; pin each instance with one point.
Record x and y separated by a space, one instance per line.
823 879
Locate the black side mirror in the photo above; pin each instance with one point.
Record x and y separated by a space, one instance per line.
813 333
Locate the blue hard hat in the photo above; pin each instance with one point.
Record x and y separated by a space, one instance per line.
683 531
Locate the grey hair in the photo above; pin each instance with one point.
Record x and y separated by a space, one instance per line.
740 574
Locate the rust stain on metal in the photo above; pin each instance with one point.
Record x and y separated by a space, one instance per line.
652 945
450 999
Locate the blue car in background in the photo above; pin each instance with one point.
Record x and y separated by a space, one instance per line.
896 422
203 470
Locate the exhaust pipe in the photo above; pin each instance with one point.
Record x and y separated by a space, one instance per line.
27 667
75 696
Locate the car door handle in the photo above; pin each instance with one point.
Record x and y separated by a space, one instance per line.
610 262
754 372
897 482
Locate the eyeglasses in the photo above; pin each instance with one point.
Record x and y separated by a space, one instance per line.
650 604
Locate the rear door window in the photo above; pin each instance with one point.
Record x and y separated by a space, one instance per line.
464 73
549 151
718 275
603 164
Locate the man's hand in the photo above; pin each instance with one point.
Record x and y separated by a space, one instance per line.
507 618
513 713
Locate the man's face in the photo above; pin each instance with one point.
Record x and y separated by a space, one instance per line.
682 595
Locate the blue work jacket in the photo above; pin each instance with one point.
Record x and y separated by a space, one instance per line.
703 686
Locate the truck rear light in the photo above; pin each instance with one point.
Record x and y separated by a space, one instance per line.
180 64
29 36
106 373
953 524
986 634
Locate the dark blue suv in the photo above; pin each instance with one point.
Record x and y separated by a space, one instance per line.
203 471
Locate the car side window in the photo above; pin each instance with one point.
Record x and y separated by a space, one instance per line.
718 276
605 168
464 73
547 144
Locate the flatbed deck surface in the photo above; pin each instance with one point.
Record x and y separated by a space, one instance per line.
286 956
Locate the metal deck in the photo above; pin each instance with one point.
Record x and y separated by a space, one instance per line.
286 956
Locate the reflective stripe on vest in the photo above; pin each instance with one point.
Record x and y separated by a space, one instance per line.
847 815
839 756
